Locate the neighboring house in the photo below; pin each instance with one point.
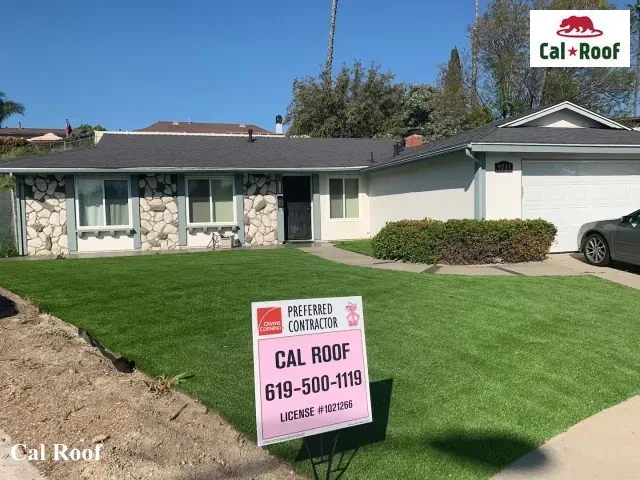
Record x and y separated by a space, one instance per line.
165 191
31 132
195 127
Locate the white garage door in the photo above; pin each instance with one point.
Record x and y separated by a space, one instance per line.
570 194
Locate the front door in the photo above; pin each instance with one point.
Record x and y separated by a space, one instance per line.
297 207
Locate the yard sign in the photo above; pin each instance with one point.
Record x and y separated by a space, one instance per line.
310 367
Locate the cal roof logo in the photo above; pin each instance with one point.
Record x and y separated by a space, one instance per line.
580 38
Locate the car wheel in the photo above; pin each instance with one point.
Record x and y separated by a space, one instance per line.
596 250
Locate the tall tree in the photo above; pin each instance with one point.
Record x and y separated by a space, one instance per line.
356 103
454 97
332 31
9 108
513 87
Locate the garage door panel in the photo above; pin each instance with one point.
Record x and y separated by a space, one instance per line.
570 194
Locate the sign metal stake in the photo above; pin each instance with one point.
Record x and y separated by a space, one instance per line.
330 456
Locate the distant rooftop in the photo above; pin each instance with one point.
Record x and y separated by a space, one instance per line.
198 127
30 132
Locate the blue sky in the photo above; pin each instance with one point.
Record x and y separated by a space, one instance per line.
128 64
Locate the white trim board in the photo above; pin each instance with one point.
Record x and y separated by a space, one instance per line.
565 106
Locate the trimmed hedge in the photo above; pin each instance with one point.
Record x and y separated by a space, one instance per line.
464 242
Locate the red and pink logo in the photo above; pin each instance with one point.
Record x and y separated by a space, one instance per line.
578 27
352 315
269 321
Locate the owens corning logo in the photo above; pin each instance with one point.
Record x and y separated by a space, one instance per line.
269 321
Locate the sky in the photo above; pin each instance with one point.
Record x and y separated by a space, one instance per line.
126 65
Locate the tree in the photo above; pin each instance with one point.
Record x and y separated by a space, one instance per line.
332 31
9 108
356 103
512 87
635 31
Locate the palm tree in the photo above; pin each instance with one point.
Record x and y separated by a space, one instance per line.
8 108
332 30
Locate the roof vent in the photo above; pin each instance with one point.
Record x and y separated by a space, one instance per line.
242 125
175 124
251 135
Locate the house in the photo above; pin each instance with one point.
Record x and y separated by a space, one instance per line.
168 191
22 132
201 127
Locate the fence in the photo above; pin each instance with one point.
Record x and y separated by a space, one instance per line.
7 218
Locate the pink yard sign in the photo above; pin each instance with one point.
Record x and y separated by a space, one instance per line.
310 367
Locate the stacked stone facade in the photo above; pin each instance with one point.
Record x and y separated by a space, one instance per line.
46 211
159 212
260 210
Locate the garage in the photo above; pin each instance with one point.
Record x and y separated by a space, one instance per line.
572 193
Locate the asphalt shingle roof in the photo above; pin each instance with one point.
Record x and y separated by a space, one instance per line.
116 151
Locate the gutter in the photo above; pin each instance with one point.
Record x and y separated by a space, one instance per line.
417 157
23 170
467 152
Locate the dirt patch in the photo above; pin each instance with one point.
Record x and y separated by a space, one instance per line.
55 388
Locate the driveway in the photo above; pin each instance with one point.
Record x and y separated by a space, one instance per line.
558 264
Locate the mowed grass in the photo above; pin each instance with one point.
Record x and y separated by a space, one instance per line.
480 369
362 246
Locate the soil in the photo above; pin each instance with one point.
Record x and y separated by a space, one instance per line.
55 388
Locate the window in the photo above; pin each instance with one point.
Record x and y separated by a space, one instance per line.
343 198
103 202
210 200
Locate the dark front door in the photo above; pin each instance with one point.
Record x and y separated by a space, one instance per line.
297 207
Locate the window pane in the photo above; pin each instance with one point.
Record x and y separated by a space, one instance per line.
199 201
116 199
352 204
336 208
90 208
222 191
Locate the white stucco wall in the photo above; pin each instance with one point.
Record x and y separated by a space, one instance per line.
105 242
564 119
343 228
440 188
503 189
200 239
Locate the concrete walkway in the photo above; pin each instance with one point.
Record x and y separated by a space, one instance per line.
11 469
604 446
556 265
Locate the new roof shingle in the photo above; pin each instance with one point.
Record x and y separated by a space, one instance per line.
141 151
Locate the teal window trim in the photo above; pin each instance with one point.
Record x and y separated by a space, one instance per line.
182 212
280 216
22 216
239 192
317 219
72 235
479 187
135 211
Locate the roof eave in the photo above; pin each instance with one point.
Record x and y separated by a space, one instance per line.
26 171
553 148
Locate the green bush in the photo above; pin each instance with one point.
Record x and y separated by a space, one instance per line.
464 242
8 249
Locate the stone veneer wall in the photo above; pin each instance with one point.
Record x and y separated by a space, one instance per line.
260 210
159 212
46 210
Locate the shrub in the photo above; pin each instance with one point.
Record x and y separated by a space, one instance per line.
8 249
464 242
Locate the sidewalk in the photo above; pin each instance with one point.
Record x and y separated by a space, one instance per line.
604 446
560 264
11 469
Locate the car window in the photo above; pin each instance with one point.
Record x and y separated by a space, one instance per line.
635 217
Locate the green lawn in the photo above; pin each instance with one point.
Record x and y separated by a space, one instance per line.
479 369
362 246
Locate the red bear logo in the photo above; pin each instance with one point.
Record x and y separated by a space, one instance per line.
578 27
